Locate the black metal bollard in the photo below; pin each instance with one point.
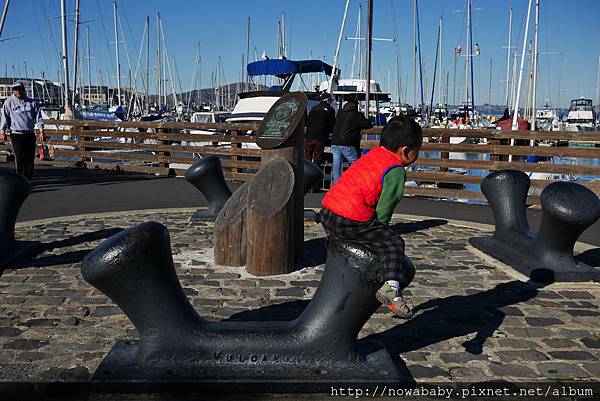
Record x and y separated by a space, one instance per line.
135 269
207 176
506 192
14 189
312 175
568 210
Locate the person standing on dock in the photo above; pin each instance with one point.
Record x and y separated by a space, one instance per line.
346 136
20 115
321 121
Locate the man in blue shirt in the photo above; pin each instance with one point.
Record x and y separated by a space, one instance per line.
20 115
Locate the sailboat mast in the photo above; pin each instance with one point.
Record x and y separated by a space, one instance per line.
356 41
117 54
75 49
4 13
468 56
535 63
515 124
471 63
598 82
148 66
435 66
368 55
508 55
158 60
337 49
441 50
490 91
415 53
245 71
89 63
65 60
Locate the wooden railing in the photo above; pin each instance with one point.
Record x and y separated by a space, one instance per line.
164 148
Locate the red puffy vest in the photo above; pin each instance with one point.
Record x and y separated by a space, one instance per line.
357 192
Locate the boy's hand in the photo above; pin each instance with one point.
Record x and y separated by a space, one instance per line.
42 136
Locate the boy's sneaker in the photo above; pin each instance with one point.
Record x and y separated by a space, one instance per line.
392 299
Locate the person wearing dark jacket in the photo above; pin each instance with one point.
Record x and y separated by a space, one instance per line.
346 136
321 121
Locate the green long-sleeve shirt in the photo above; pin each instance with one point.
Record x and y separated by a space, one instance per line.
393 189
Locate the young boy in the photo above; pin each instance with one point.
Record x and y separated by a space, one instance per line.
360 205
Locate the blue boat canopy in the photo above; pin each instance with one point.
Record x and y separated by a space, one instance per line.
286 67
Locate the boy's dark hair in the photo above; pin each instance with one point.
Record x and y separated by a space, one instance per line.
401 131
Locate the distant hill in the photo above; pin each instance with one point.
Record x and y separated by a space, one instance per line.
227 93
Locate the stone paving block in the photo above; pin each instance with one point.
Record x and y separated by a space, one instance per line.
591 342
522 355
25 344
572 355
543 321
427 372
560 370
509 370
560 343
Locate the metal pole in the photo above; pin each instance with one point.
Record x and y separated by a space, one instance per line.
368 56
75 49
535 60
117 54
4 13
356 41
63 16
515 124
245 70
490 92
415 54
158 83
89 62
471 51
441 59
337 49
508 55
148 66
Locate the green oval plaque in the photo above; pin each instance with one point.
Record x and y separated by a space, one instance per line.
281 120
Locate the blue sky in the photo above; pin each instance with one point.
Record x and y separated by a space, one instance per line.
567 27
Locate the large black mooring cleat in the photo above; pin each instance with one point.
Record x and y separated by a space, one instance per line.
135 269
14 190
568 209
207 176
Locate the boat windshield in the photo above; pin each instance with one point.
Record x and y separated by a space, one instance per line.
202 118
581 105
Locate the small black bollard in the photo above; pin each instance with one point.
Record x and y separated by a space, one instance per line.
506 191
135 269
568 210
14 189
207 176
312 176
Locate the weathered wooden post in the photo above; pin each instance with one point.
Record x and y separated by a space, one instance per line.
280 136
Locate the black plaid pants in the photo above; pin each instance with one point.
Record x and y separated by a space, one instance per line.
375 236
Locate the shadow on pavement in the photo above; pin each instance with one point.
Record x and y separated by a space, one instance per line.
67 257
445 318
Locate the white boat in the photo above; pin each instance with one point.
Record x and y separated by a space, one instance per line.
546 119
581 116
252 106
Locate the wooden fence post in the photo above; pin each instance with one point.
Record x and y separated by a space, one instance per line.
445 155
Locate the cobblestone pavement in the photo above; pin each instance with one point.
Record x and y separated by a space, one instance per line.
474 320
